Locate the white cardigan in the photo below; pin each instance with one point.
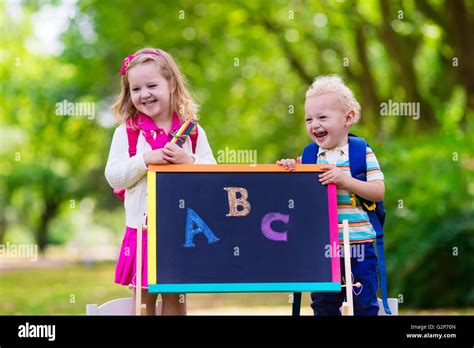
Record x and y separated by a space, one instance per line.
123 171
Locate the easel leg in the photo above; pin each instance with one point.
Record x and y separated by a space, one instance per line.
138 287
296 308
348 306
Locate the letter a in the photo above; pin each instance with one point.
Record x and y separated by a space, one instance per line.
193 219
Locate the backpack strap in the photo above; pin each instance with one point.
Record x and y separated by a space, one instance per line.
358 157
132 134
309 153
380 252
194 138
358 165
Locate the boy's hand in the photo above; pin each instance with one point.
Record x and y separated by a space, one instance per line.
333 176
174 154
155 157
289 163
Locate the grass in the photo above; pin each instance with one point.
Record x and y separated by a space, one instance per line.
67 290
57 290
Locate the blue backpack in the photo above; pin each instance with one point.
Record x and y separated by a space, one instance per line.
375 211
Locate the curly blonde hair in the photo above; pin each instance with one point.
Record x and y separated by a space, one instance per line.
334 84
182 103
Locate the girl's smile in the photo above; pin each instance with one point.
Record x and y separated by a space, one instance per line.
149 105
150 91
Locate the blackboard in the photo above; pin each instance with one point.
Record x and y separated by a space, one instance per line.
281 244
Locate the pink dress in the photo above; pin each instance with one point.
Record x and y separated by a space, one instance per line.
125 271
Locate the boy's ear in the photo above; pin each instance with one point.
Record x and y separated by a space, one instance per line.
350 117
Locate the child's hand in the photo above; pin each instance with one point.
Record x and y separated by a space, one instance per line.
155 157
289 163
333 176
174 154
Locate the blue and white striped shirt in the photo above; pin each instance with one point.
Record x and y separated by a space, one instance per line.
360 228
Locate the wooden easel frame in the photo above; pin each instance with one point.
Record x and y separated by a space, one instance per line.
138 269
348 306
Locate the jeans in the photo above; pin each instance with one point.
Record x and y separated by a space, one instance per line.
365 302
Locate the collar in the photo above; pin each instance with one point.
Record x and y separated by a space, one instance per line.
146 123
344 150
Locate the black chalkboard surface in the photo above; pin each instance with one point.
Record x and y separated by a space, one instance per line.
240 228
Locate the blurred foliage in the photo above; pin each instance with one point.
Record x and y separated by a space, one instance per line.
249 65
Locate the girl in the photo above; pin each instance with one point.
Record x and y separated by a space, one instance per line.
153 103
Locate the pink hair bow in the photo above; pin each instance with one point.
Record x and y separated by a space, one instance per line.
130 57
125 63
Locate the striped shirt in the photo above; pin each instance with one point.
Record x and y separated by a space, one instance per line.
360 228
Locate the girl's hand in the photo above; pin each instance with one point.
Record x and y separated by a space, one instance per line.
174 154
155 157
289 163
333 176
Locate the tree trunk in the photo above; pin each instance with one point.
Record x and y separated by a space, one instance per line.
402 59
367 84
3 216
463 48
3 228
50 211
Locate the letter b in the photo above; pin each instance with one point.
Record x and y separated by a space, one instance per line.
234 202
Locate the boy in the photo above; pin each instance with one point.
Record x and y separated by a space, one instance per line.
330 111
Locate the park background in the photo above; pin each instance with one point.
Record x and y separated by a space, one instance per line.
249 64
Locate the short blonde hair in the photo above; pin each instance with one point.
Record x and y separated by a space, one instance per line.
334 84
181 100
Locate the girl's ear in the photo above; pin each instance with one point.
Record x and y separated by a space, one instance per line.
350 117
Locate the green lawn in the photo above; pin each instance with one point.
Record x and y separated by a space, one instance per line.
67 290
57 290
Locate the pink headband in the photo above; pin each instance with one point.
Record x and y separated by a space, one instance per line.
129 58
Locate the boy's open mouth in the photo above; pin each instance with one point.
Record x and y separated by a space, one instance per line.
320 134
